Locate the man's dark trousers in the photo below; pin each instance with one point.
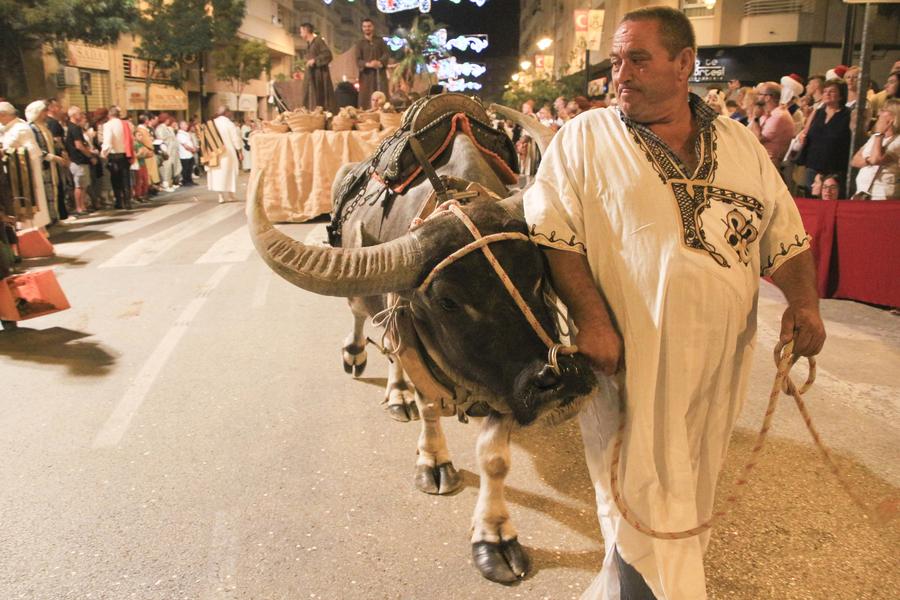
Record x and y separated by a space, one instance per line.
120 176
187 171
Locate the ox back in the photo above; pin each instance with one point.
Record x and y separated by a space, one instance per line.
393 169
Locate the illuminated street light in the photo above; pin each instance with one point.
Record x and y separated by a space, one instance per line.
525 64
545 43
515 77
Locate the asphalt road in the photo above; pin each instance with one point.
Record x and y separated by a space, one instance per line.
186 430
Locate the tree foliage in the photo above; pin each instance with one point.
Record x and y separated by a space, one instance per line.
240 61
174 33
542 91
26 24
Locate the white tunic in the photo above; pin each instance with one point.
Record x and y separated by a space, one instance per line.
683 286
17 134
224 176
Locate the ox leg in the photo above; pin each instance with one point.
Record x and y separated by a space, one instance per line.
354 350
435 474
399 395
495 548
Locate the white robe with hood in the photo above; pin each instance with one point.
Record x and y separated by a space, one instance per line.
224 176
17 134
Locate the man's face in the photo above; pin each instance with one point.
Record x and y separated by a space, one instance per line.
734 84
368 28
53 108
646 79
76 118
306 34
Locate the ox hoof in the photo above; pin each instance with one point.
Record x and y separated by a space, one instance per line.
354 359
504 563
356 370
442 479
398 412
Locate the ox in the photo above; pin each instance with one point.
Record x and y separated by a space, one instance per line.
468 347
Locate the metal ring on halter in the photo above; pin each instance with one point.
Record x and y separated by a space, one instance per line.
552 361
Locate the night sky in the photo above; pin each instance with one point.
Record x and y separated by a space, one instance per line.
499 19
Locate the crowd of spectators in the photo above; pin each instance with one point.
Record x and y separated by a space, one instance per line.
80 162
804 124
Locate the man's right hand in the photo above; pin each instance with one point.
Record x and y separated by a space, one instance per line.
602 345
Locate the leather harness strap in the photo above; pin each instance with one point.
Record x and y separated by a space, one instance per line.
432 175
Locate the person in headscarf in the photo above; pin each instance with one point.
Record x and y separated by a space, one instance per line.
14 134
36 115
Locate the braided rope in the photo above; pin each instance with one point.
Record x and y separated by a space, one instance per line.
784 359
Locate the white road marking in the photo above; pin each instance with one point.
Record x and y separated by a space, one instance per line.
145 251
115 427
318 236
234 247
261 290
141 220
221 563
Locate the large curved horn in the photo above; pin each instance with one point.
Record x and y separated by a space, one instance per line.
346 272
541 134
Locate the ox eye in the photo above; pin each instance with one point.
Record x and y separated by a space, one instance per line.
447 304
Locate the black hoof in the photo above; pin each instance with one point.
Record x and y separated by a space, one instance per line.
442 479
425 480
348 368
504 563
398 412
359 369
450 481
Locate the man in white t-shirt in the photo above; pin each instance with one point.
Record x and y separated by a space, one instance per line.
186 150
657 218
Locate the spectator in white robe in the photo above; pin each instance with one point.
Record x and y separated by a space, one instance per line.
15 133
223 178
653 283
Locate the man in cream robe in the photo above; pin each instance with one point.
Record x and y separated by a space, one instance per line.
15 133
664 214
223 178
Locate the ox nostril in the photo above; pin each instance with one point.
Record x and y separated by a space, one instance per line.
546 378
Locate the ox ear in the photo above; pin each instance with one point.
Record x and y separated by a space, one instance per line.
346 272
541 134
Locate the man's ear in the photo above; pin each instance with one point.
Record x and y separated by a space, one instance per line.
686 61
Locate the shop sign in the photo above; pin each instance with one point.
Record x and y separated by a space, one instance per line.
707 70
162 97
88 57
136 68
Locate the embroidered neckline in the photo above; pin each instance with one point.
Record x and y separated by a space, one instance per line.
666 162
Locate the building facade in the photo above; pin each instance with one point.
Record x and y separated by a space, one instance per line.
100 76
750 40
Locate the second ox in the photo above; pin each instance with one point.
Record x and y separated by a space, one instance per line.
471 347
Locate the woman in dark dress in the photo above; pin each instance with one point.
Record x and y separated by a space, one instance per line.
826 147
